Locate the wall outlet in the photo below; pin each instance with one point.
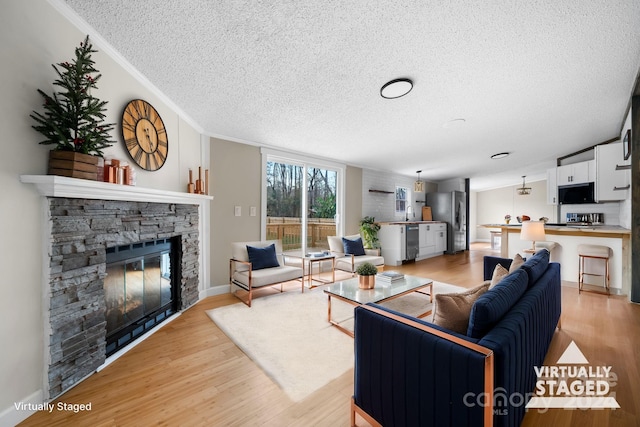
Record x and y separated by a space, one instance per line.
252 211
237 211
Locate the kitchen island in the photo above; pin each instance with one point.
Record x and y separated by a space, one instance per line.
568 238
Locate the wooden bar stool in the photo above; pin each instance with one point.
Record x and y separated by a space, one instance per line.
593 252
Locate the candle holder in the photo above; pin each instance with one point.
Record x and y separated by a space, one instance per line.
201 186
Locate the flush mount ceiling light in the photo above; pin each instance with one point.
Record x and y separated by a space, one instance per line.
500 156
418 186
396 88
523 191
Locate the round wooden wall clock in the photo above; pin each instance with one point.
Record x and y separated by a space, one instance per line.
144 135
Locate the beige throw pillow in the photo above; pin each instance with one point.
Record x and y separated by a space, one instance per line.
516 263
452 311
499 273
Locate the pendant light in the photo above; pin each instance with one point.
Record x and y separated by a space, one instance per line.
418 186
523 191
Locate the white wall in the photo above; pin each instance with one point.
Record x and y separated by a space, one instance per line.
382 206
473 216
493 205
455 184
34 36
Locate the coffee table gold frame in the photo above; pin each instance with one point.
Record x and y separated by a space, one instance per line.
419 288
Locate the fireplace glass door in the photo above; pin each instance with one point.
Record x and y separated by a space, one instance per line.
138 292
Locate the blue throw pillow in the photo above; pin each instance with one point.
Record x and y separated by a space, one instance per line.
263 257
536 265
496 302
353 247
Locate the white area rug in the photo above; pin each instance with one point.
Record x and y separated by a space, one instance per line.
289 337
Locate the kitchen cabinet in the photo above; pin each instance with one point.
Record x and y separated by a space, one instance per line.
426 239
441 238
552 186
433 239
576 173
393 243
611 184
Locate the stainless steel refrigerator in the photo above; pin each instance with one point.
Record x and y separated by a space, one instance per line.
451 208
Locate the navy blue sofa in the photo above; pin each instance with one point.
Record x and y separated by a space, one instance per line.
409 372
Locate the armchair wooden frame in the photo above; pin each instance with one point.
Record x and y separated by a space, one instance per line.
488 367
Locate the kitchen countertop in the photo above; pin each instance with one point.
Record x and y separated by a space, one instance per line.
569 230
407 222
568 237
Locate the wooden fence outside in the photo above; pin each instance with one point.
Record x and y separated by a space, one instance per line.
289 231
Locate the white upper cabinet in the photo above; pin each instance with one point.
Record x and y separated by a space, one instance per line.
552 186
611 184
576 173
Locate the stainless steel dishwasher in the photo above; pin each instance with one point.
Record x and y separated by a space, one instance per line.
412 239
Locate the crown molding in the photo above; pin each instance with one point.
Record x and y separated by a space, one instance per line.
97 39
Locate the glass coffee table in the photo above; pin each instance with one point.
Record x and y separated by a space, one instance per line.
348 291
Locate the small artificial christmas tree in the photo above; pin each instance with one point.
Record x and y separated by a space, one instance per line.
73 120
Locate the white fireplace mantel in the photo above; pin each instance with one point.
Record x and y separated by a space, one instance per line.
61 186
74 188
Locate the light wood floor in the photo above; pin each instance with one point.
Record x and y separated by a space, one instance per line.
190 374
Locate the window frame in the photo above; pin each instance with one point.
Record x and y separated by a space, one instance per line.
307 162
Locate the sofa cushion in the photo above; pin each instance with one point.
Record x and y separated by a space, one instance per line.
335 244
517 262
269 276
452 310
344 263
261 258
493 304
536 265
353 247
499 273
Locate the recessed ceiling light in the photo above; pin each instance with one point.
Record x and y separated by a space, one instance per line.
396 88
454 123
500 155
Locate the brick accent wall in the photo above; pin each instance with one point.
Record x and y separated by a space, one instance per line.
81 231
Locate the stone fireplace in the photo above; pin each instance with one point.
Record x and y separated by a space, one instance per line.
79 234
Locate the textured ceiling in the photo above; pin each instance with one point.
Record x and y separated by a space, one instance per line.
540 79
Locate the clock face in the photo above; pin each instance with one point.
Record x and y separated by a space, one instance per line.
144 135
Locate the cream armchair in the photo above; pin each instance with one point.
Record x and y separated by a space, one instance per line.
350 262
267 269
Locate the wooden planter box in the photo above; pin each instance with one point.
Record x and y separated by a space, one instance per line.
74 165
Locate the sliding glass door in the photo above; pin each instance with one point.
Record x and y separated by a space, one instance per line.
321 202
284 204
302 203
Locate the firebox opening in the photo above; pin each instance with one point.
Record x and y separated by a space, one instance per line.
141 289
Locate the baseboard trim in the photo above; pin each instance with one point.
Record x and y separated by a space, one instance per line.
22 409
574 285
215 290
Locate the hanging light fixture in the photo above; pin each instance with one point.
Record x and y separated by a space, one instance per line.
418 186
523 191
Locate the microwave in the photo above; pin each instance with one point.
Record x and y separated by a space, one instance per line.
576 194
